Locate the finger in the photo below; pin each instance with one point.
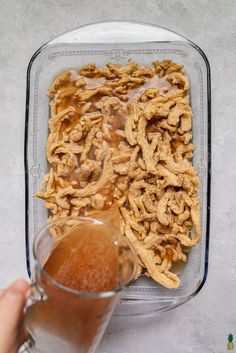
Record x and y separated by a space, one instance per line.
12 302
22 285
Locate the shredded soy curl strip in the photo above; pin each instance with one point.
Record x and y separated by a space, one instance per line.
122 134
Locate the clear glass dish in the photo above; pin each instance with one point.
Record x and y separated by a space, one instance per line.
119 41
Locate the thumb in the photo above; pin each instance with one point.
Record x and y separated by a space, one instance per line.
12 302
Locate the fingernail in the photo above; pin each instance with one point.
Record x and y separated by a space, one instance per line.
20 285
28 293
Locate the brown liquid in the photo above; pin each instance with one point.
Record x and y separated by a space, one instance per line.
94 82
117 120
115 124
87 260
153 82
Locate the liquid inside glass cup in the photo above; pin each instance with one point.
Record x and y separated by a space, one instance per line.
81 266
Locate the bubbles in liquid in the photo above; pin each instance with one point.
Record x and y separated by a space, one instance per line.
86 259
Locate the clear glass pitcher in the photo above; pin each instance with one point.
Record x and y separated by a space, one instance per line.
63 320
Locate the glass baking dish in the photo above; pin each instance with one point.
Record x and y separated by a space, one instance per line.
119 41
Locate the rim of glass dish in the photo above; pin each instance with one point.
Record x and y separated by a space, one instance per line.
208 202
106 294
116 21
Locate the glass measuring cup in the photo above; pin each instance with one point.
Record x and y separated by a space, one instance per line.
61 319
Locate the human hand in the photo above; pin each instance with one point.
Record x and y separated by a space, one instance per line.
12 303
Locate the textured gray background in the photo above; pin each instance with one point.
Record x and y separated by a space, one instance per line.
201 325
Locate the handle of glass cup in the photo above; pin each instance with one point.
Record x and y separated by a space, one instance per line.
37 294
27 345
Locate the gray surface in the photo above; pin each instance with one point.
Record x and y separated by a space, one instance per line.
202 325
